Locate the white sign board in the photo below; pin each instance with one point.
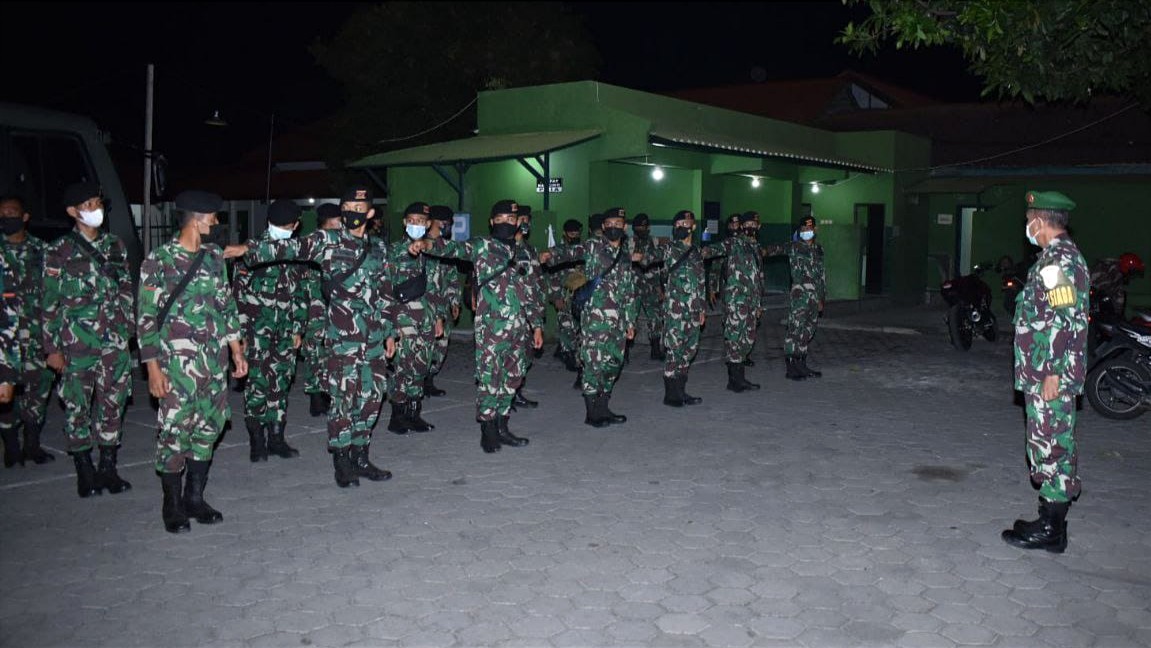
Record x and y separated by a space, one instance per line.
461 226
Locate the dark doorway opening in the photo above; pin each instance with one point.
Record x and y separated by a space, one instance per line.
873 218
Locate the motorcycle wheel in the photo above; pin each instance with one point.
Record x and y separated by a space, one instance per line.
990 327
959 327
1111 400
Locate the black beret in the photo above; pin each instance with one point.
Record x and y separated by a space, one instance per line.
615 212
682 214
283 212
357 194
572 225
80 192
201 202
595 221
327 211
418 208
504 207
441 213
524 210
641 219
805 220
749 217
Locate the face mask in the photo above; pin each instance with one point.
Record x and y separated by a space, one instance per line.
11 225
680 233
613 233
572 240
446 234
751 233
642 233
353 219
504 231
215 235
416 232
1030 238
92 218
526 228
807 236
279 233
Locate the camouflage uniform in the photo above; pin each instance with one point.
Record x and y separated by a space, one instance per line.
650 280
742 296
567 326
808 291
89 313
415 348
9 349
191 347
444 283
528 266
358 321
24 276
312 350
1050 340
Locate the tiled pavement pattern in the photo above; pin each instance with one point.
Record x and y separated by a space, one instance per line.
861 509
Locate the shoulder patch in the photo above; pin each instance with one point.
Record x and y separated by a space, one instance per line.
1053 276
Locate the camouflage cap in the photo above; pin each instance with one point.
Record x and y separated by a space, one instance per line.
1049 200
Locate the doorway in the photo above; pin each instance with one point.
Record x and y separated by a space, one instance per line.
873 217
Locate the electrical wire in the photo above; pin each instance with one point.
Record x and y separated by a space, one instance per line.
437 126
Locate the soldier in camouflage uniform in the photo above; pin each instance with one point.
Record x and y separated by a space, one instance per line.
312 351
273 311
608 318
24 260
88 316
742 299
557 279
418 311
808 293
1050 363
10 362
649 284
528 265
717 266
503 307
684 305
444 282
188 328
360 332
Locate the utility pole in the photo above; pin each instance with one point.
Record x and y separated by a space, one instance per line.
145 214
268 182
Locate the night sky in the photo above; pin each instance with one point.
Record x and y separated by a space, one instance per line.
250 60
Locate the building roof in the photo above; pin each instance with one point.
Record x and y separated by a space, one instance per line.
483 148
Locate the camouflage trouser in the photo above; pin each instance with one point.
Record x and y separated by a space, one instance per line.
271 363
412 363
313 355
94 395
196 408
567 328
681 342
30 407
498 363
739 327
1051 448
601 352
802 315
650 307
357 384
525 354
440 348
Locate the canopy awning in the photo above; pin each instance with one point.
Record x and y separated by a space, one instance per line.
482 148
716 143
952 186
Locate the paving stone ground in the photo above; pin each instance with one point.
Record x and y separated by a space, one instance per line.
863 509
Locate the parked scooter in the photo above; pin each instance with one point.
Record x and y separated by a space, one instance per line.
970 313
1118 381
1014 277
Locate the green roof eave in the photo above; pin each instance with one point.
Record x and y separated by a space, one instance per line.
482 148
716 143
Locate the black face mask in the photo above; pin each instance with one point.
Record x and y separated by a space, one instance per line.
10 226
751 233
571 240
613 233
446 233
680 233
504 231
353 219
642 233
216 235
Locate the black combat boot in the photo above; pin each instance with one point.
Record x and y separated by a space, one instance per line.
32 449
86 484
519 400
276 443
654 341
430 387
688 399
416 422
364 467
627 351
793 370
611 416
490 436
806 369
106 475
736 381
571 362
175 518
578 384
505 436
671 393
345 469
257 444
318 403
595 416
748 362
399 423
12 453
559 352
1049 532
195 479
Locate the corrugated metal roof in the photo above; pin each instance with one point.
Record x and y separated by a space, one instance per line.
745 146
483 148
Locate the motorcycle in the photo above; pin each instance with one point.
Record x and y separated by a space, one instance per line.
1014 277
1118 381
969 312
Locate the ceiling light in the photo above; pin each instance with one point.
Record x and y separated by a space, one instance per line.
755 183
657 174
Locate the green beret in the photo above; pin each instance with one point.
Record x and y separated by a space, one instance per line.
1049 200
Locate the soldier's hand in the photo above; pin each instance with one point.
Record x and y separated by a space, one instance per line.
417 247
390 347
545 256
455 312
241 369
702 318
297 340
55 361
637 257
439 328
538 339
631 333
6 392
158 384
233 251
1050 388
821 302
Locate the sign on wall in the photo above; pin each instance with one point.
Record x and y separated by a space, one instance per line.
944 219
461 226
556 186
